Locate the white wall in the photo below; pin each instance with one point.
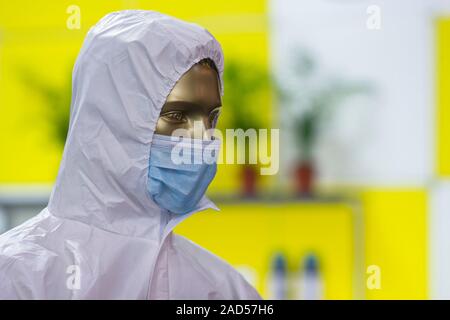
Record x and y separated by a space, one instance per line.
384 139
440 240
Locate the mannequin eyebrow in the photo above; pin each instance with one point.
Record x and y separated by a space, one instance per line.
187 106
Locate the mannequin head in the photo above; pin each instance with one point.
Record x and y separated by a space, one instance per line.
195 98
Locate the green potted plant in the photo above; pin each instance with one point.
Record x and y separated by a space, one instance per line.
57 100
243 82
308 102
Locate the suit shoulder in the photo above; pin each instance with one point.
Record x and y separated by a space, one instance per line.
201 254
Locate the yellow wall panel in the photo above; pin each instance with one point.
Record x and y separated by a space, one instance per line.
396 241
443 97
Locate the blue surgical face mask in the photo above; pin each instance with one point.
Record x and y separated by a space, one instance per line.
180 171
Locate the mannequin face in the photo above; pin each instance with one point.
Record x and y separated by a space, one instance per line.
195 98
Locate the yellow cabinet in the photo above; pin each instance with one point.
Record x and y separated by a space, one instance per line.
249 234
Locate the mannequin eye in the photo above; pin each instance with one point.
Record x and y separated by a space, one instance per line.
174 116
214 117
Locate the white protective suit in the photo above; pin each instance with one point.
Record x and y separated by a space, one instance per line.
101 236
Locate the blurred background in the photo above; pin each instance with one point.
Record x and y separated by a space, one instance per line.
360 91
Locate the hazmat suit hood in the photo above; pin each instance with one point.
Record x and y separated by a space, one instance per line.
129 63
101 236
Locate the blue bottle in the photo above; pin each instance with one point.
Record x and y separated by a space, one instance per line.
278 282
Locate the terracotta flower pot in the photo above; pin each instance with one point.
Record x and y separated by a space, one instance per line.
249 180
305 176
